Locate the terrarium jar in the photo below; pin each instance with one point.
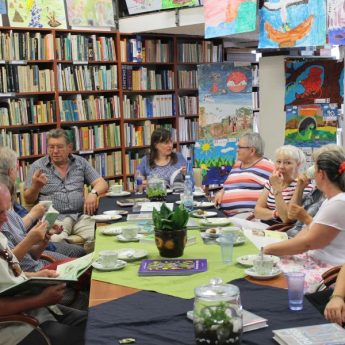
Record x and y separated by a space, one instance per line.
156 189
217 314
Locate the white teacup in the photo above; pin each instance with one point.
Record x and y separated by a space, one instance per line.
130 232
233 231
46 203
116 188
107 258
263 266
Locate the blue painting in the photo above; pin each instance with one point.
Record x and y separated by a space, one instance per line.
3 9
336 22
292 23
215 157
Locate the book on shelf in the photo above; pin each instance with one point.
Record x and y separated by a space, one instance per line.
324 334
172 267
69 272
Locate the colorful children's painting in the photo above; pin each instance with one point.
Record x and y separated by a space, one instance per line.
37 14
3 9
215 157
90 13
142 6
179 3
307 81
227 17
292 23
312 125
225 100
336 21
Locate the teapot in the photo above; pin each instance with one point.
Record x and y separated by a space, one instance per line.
217 314
156 189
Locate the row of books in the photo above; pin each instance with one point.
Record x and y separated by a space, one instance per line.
87 78
90 108
200 52
107 164
85 48
145 50
146 79
25 144
188 79
132 160
24 111
26 45
188 129
188 105
19 78
94 137
139 106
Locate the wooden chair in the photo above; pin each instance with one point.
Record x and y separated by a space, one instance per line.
328 278
24 319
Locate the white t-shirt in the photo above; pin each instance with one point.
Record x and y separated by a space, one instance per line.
331 213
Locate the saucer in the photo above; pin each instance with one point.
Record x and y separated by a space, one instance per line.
123 193
122 238
204 204
216 222
131 254
169 191
239 240
106 218
198 194
118 265
111 231
248 260
274 273
202 214
112 213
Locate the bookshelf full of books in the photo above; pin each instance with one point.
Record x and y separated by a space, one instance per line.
108 90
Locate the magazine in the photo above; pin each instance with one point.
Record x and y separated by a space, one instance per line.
172 267
329 333
261 238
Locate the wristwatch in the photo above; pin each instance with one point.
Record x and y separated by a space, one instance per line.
93 191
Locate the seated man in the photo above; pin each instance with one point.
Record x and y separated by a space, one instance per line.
60 176
247 177
61 324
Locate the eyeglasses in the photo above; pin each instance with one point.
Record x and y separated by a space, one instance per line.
244 147
8 256
57 147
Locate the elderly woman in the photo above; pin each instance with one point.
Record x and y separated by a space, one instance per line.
162 161
272 206
324 238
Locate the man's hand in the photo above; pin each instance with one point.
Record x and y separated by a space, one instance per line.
38 232
38 211
56 229
90 204
52 294
39 179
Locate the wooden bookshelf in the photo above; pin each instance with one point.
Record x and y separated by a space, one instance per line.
109 90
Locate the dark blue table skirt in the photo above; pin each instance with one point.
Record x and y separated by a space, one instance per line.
157 319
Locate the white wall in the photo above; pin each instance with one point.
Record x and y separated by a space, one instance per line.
272 93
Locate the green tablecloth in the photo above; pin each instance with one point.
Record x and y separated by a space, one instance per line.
179 286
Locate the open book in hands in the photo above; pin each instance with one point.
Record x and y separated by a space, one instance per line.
50 216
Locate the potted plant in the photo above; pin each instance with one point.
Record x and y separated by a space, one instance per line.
170 230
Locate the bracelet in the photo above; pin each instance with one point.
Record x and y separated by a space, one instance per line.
334 296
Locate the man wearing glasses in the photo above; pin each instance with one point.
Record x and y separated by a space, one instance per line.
60 177
247 178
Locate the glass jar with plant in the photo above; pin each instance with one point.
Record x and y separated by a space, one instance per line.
156 189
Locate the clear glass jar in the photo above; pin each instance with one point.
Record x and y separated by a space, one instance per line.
156 189
217 314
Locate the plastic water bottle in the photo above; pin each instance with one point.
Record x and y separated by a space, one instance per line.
188 194
189 171
138 183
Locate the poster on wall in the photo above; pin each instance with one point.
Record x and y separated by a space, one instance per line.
3 9
312 125
336 21
90 13
307 81
179 3
227 17
36 14
142 6
293 23
215 157
225 100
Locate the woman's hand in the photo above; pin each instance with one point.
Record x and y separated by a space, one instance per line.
303 180
277 181
335 310
38 232
219 197
38 211
183 170
297 212
43 273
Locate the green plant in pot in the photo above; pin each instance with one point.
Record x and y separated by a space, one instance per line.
170 230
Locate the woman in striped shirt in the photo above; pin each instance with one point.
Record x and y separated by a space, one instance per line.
272 206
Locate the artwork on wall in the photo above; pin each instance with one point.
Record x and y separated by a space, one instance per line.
227 17
89 13
307 81
3 9
179 3
225 100
336 21
293 23
36 14
215 157
312 125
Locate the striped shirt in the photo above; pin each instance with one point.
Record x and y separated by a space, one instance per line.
66 193
286 193
244 185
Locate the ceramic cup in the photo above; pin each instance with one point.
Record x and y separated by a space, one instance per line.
116 188
46 203
233 231
107 258
263 266
129 233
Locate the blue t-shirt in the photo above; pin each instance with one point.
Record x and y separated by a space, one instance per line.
164 171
